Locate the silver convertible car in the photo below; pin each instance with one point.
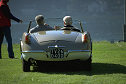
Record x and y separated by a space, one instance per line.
56 46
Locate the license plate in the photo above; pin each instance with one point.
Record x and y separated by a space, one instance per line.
57 53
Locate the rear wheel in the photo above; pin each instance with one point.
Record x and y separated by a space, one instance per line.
87 64
26 66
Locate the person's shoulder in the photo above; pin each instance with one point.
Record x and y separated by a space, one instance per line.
48 27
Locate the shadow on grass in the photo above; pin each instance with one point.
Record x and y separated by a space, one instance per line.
97 69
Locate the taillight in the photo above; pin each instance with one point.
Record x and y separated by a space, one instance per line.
27 38
84 38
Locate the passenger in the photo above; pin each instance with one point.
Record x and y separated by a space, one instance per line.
68 24
41 25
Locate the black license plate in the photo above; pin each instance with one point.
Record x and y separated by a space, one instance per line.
57 53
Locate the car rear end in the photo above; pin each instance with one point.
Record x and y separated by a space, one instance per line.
56 46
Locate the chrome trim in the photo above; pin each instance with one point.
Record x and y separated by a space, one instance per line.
42 51
36 51
56 46
54 41
79 50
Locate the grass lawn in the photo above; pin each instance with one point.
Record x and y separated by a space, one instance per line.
109 67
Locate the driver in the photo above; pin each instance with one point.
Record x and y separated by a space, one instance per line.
41 25
68 24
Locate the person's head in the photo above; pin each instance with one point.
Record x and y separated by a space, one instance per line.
67 20
39 19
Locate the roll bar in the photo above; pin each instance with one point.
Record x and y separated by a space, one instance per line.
29 26
82 30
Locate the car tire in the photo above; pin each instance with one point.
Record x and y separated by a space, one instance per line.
88 64
26 66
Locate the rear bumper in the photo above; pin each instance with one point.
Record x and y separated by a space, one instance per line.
44 56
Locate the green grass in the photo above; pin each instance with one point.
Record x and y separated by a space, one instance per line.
109 67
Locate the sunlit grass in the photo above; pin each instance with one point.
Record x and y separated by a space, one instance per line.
109 67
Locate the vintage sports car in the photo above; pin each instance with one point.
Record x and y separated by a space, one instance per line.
56 46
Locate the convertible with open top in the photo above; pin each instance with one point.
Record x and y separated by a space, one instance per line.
57 46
